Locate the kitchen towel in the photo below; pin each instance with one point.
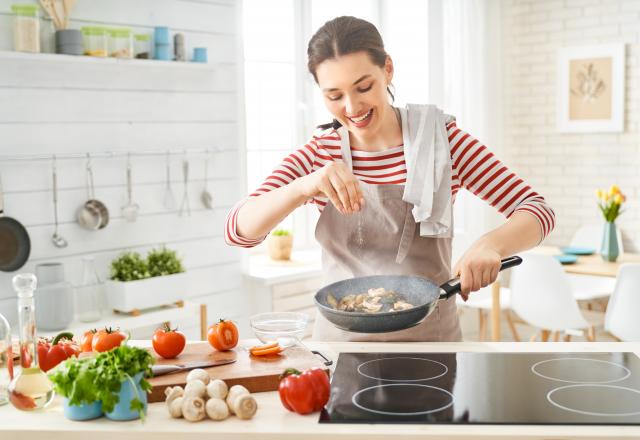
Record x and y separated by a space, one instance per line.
428 158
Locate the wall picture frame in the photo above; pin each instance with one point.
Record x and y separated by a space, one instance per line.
591 88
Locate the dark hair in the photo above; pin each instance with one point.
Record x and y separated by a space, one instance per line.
342 36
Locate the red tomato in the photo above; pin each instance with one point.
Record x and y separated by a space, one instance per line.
87 338
223 335
105 340
168 343
306 392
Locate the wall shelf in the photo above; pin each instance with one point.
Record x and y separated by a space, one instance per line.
8 55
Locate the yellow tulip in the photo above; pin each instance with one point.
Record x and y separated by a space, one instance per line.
618 199
614 189
599 194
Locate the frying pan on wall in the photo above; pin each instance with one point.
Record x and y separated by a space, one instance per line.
15 245
421 292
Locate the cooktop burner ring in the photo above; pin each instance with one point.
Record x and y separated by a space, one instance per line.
591 413
354 400
440 364
627 372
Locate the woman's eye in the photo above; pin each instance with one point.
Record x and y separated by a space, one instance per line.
365 89
334 98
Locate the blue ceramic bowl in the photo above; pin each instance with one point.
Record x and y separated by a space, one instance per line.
86 411
577 250
121 411
566 259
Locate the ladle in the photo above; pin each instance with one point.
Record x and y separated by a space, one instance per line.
57 239
206 198
130 210
169 199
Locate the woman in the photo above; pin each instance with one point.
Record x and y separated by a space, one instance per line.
364 168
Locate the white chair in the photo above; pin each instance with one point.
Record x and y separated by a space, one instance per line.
541 295
591 288
621 319
482 300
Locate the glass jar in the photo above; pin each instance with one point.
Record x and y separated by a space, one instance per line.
6 359
89 297
30 388
26 28
95 41
120 43
143 46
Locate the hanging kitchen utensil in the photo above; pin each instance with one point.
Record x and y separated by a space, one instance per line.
57 239
206 198
169 201
422 293
130 210
50 7
93 214
15 245
185 193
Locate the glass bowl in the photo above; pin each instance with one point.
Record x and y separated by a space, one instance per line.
287 328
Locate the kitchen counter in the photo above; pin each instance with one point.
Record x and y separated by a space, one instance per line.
273 422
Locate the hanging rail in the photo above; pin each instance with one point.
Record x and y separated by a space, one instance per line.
112 154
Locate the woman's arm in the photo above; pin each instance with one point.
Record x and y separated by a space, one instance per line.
301 176
530 218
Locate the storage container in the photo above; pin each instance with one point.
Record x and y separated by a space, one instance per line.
120 43
143 46
95 41
26 28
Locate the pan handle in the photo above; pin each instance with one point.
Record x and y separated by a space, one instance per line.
452 286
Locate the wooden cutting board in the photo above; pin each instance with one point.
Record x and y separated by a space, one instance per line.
257 374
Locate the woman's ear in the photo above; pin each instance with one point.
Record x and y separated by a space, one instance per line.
388 69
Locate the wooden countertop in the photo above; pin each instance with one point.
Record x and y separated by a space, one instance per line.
273 422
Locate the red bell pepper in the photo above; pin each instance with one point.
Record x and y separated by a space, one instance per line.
305 392
61 348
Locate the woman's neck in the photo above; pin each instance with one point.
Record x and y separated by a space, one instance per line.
389 134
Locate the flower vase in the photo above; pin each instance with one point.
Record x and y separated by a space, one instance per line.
609 249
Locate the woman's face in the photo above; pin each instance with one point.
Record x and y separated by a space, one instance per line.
355 91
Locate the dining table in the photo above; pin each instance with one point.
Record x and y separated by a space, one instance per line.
592 265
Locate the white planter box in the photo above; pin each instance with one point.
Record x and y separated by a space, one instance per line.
128 296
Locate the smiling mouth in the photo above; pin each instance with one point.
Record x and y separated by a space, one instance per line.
360 119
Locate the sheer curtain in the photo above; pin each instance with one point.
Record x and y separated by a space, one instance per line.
470 90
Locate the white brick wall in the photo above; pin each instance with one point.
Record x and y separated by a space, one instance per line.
567 168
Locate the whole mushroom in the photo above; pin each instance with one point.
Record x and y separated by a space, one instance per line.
217 409
193 408
174 400
195 388
198 374
217 389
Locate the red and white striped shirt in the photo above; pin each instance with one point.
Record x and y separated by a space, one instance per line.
474 168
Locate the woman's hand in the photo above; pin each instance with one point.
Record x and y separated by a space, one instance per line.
336 182
477 268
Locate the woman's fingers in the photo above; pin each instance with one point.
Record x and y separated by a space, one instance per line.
353 188
341 189
332 195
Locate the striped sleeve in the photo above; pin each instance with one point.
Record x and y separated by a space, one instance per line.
476 169
301 162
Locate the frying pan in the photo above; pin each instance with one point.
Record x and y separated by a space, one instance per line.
421 292
15 245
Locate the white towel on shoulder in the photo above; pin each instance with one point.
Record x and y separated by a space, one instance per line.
428 158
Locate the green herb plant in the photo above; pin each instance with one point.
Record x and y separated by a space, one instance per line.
280 232
163 261
100 378
129 267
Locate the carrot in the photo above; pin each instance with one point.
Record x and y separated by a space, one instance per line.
263 347
267 351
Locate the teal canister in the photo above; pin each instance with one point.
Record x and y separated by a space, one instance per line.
53 298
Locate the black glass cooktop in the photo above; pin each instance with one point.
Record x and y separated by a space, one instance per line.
485 388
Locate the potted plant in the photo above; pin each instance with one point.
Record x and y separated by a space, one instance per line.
136 283
279 243
610 204
74 380
113 382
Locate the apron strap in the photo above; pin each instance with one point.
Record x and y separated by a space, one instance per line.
408 230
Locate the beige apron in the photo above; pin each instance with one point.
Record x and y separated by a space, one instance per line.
384 239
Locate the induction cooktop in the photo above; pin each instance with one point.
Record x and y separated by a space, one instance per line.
485 388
